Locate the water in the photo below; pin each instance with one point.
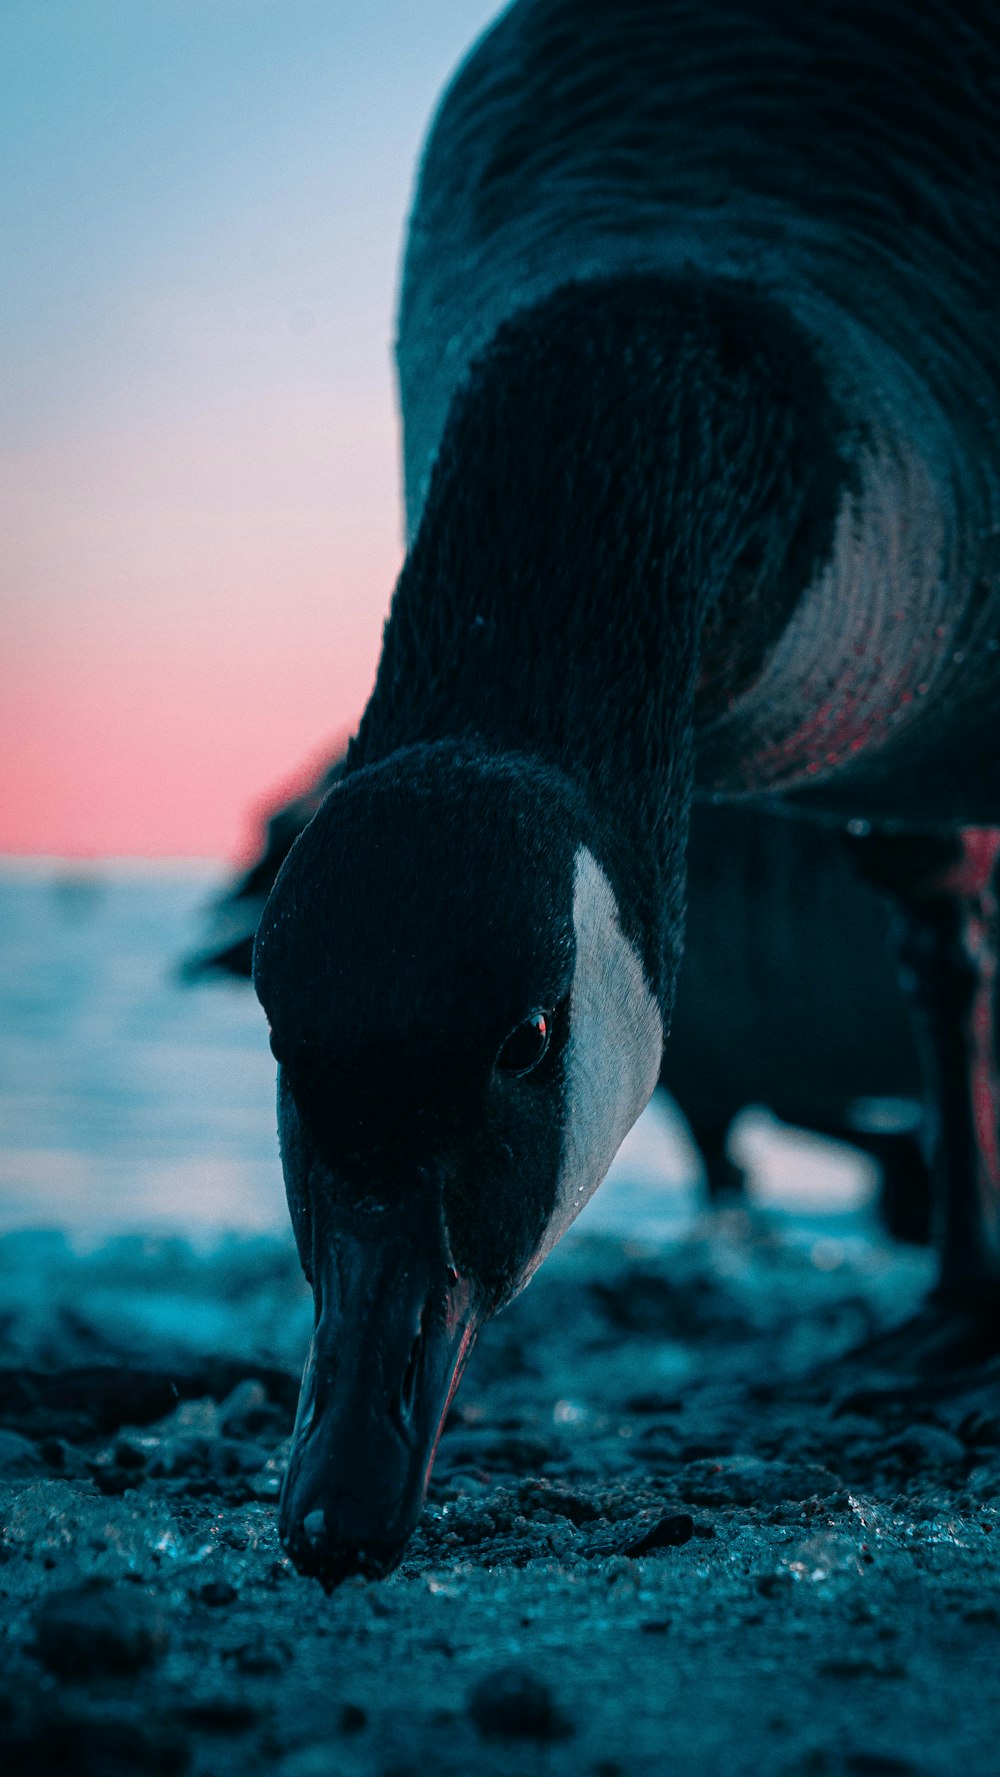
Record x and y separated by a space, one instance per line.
132 1102
127 1100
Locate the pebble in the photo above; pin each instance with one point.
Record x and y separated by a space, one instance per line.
191 1454
266 1485
62 1457
879 1764
129 1452
199 1418
750 1480
261 1655
671 1532
20 1456
983 1482
239 1456
981 1428
325 1758
512 1704
860 1666
654 1401
562 1539
218 1712
511 1454
55 1741
112 1480
217 1593
90 1629
245 1409
920 1444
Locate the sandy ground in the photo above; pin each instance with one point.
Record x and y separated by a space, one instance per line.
672 1528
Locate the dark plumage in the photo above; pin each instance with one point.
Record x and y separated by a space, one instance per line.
708 403
787 994
702 418
789 997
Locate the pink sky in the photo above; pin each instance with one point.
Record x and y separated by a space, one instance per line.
195 616
199 484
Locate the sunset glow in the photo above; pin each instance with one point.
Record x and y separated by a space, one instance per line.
199 484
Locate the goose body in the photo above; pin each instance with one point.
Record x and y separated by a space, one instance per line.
843 160
701 416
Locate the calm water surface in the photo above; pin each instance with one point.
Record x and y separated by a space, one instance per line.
131 1101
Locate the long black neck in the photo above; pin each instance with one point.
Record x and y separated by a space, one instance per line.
622 464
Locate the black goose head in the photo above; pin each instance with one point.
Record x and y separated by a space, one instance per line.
464 1034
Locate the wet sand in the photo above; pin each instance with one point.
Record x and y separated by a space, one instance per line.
671 1528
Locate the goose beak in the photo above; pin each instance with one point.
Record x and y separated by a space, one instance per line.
394 1326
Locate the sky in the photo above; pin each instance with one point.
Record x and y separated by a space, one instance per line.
203 206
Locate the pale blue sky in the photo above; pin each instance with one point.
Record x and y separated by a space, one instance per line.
247 161
203 204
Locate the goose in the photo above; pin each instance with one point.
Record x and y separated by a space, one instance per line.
788 998
698 366
787 995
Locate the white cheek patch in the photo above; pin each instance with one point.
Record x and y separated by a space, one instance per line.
614 1051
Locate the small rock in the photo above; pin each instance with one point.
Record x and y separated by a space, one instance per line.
239 1456
983 1482
750 1480
879 1764
266 1485
130 1453
245 1409
53 1741
217 1593
89 1629
562 1539
262 1654
859 1666
219 1713
19 1456
562 1500
198 1419
983 1613
920 1444
111 1480
325 1758
515 1454
511 1704
185 1455
773 1585
62 1456
352 1719
654 1401
981 1427
671 1532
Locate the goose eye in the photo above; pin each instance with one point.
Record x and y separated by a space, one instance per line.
526 1045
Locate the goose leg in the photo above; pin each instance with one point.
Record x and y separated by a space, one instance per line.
948 945
904 1191
725 1182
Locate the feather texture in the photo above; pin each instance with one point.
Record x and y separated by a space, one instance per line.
844 159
